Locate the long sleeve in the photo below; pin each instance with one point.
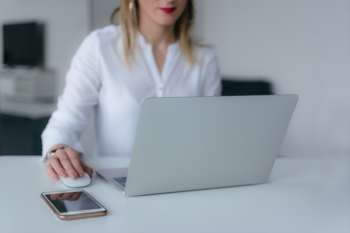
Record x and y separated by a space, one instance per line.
80 95
212 77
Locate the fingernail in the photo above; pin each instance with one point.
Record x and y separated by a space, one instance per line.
56 178
63 174
74 175
81 174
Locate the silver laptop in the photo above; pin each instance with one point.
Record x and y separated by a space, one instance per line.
193 143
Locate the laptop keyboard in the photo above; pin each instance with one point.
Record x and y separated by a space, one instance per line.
121 180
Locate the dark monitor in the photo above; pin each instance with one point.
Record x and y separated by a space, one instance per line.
23 44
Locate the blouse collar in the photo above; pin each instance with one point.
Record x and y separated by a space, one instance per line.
143 43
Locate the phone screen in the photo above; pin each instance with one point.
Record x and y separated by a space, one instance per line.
66 202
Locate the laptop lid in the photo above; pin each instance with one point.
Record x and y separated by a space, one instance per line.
206 142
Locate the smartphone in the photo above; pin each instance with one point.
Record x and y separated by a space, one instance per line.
73 204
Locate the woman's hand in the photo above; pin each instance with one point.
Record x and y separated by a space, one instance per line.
66 162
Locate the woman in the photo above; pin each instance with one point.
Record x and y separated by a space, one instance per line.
150 54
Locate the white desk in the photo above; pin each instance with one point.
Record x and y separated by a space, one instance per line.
303 195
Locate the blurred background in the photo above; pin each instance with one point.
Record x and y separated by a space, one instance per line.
296 46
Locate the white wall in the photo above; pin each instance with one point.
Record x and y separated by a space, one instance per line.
66 22
303 47
101 12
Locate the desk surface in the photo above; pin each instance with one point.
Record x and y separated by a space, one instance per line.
302 195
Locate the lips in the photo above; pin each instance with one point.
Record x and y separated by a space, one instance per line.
167 10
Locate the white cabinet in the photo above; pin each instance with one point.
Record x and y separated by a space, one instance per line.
28 85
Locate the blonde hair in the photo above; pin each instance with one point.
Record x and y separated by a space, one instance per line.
129 23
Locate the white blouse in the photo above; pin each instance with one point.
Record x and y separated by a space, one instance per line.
99 81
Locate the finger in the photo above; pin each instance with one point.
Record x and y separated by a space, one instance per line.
55 196
75 160
66 164
52 173
57 167
66 196
87 169
75 196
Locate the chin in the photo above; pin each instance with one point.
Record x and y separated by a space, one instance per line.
166 22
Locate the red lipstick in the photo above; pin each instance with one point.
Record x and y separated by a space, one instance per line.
168 10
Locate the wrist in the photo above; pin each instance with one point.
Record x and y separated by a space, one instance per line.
53 150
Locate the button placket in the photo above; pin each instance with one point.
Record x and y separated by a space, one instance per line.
160 91
155 72
173 54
